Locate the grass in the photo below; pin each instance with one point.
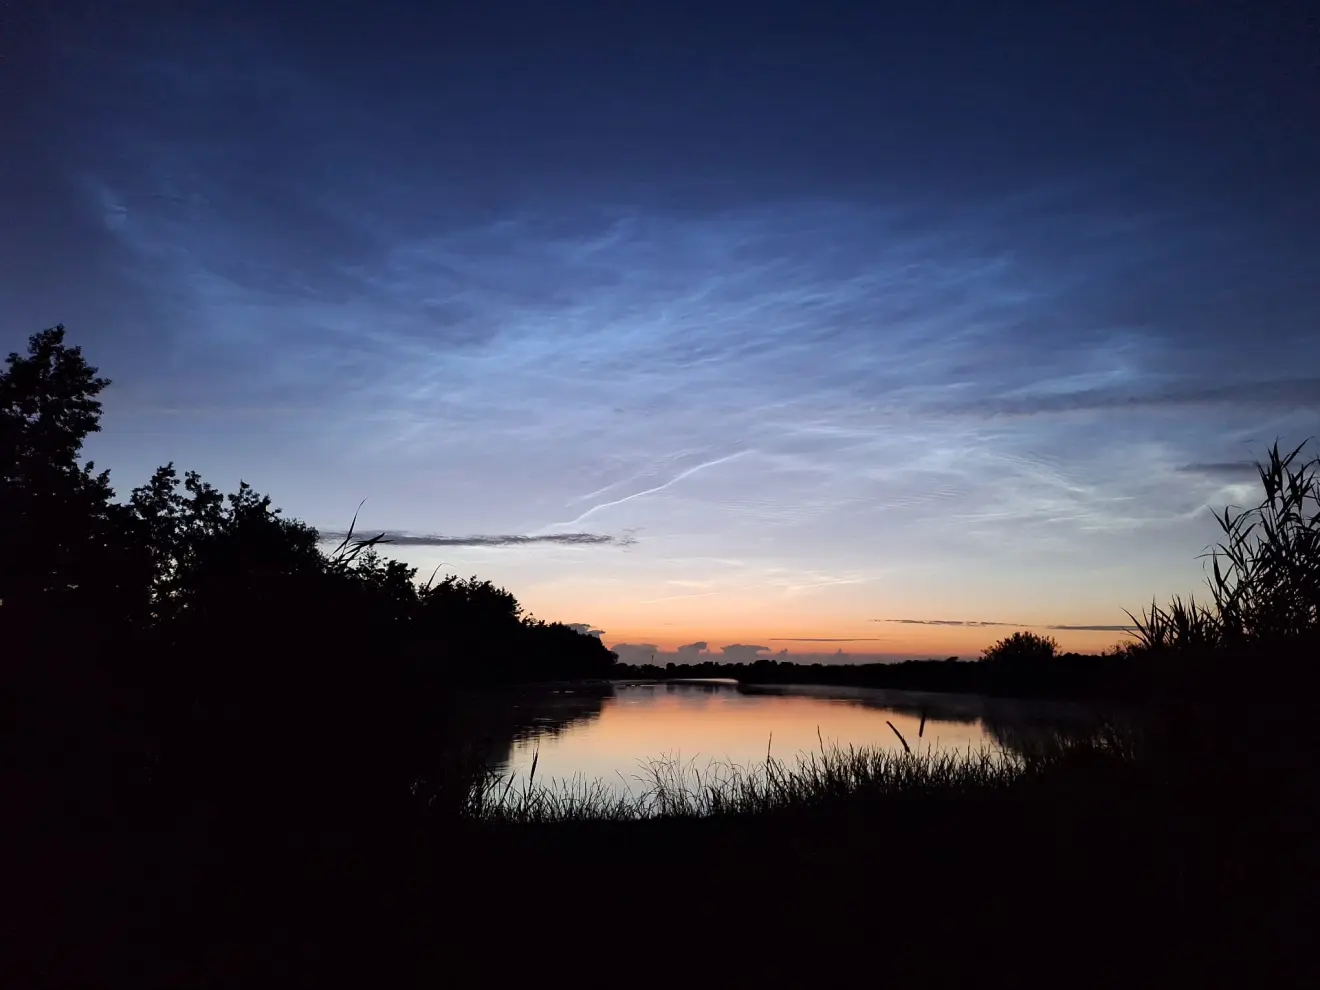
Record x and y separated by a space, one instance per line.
832 778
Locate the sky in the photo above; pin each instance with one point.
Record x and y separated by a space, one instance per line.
824 330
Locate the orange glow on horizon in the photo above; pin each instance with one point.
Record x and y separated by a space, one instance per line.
966 642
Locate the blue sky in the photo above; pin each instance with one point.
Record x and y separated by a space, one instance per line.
757 327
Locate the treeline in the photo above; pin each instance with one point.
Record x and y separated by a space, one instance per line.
1066 675
193 635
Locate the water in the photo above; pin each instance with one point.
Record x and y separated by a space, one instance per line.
607 733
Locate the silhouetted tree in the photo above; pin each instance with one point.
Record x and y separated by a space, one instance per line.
470 629
172 525
279 665
391 588
471 598
67 549
74 584
1021 648
568 652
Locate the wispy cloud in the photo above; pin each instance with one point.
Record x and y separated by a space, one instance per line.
401 539
1020 625
1094 628
827 639
948 622
687 473
1229 470
1286 393
673 598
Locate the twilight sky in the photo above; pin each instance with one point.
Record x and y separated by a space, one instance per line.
812 327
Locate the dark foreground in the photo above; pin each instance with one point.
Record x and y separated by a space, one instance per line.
1176 868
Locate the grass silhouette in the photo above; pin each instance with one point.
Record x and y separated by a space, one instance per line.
1265 575
832 777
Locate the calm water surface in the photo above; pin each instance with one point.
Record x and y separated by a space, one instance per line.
608 733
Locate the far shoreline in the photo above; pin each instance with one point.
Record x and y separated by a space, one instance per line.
1075 678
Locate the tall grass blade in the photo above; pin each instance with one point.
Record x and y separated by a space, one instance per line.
906 748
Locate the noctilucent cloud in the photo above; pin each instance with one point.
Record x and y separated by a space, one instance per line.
722 329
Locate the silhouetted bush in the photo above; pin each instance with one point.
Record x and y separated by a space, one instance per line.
1021 648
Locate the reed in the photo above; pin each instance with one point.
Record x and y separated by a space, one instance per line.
833 776
1264 575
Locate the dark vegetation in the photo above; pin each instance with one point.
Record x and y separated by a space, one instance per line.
1004 670
234 762
218 634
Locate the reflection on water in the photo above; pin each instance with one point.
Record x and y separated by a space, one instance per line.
605 733
493 722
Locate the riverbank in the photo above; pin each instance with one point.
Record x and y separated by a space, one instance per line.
1186 857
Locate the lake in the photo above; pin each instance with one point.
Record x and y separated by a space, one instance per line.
608 732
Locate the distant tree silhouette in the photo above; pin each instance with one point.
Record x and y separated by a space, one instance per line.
1022 648
574 654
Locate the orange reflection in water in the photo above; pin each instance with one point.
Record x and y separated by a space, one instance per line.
701 723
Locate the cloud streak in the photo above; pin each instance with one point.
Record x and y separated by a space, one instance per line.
948 622
1020 625
826 639
687 473
1093 628
1279 393
401 539
1228 470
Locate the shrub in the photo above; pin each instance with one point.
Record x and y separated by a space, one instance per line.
1022 647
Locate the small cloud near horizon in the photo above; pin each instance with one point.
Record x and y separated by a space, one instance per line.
742 653
636 653
975 624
